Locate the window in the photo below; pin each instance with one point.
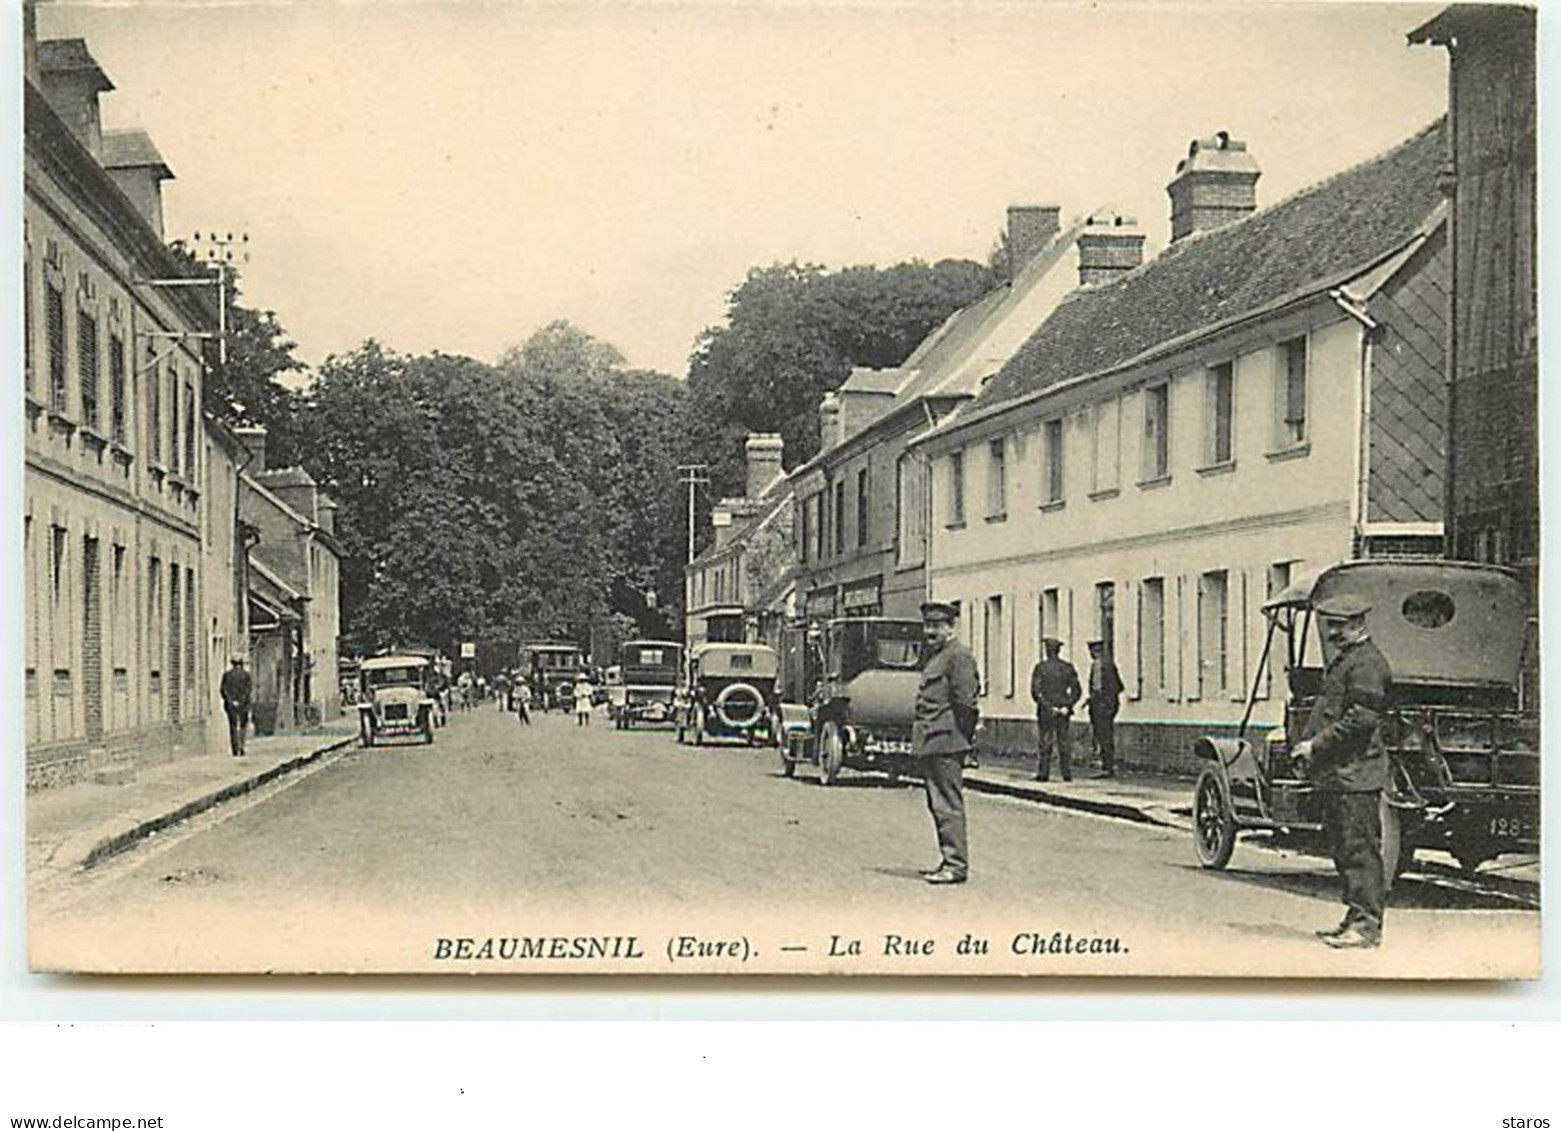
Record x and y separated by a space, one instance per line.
27 312
911 510
1292 393
1280 574
1157 446
54 316
997 479
1151 638
1049 622
1106 613
154 407
998 665
116 388
57 546
956 488
1051 466
805 529
173 419
1213 634
1107 448
87 366
1219 406
189 431
861 507
819 533
840 516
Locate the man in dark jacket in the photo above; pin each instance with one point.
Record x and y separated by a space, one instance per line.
1105 698
1343 753
237 688
1054 685
943 731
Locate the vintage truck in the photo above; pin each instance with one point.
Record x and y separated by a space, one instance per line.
1463 757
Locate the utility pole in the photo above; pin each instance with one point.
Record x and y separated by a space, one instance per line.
693 475
221 252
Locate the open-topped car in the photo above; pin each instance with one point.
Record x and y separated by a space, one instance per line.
1463 759
728 690
396 698
858 678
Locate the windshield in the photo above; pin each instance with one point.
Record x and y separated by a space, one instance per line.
392 677
892 653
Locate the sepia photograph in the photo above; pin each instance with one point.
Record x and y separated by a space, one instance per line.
912 489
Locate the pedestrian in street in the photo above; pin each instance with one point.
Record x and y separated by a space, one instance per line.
1054 685
501 688
583 700
237 689
943 731
522 698
1105 698
1342 751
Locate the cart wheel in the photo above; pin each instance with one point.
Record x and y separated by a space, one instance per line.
1213 825
831 754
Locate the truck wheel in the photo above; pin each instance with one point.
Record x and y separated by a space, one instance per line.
831 754
699 726
1396 858
1213 825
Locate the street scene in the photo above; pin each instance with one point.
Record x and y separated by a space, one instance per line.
498 510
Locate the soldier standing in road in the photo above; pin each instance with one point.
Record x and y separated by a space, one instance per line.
1343 752
942 733
1054 685
1105 698
237 688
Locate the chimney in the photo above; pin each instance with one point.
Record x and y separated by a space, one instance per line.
72 81
1030 228
327 519
721 520
139 170
829 422
1215 184
1110 245
253 437
764 461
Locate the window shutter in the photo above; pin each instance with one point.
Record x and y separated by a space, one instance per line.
1126 644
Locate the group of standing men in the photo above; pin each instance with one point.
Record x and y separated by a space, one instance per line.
1341 748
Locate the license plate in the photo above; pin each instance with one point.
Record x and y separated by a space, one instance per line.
891 747
1513 828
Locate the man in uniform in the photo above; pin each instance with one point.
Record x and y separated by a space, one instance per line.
1054 685
1343 753
1105 698
237 689
942 733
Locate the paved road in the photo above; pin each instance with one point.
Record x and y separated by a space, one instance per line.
505 832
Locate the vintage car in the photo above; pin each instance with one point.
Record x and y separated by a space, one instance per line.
551 669
728 690
396 699
648 671
1463 760
857 681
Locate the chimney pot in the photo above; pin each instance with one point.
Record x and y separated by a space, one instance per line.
253 437
764 451
1110 245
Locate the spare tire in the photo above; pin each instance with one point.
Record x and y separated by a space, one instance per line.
739 705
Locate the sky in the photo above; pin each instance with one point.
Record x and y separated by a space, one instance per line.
453 175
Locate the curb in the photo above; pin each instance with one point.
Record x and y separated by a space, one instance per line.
1027 791
112 844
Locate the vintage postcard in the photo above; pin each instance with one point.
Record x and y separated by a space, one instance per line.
772 489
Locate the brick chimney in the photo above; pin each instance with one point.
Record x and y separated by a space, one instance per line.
1214 184
1110 245
139 171
764 450
1030 228
72 81
829 422
328 508
253 437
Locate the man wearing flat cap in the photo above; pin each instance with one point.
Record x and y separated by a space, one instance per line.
1105 699
236 688
1054 685
1342 752
943 731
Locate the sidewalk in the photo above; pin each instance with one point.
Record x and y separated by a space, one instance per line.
74 826
1145 798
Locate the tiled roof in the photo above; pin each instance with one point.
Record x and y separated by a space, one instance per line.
1313 240
863 379
132 149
